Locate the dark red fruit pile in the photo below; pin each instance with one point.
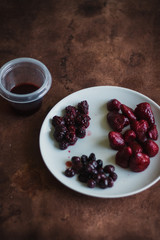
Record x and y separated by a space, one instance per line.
136 145
91 171
72 125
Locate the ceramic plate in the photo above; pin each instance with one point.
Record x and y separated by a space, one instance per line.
96 140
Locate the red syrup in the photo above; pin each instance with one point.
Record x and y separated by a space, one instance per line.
24 88
26 108
89 133
69 164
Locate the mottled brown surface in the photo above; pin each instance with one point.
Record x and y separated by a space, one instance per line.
83 43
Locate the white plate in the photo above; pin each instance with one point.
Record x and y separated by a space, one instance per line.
128 183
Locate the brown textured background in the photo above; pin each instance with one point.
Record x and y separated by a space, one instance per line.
83 43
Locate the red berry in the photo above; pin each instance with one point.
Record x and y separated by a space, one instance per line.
151 148
153 132
59 135
103 183
71 111
109 168
71 129
69 120
69 172
114 176
92 157
81 132
57 121
72 125
144 111
83 107
140 128
116 140
117 121
91 183
136 147
63 145
128 112
110 181
113 105
76 164
82 120
139 162
123 157
129 136
71 138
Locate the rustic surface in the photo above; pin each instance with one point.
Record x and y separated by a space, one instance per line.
83 43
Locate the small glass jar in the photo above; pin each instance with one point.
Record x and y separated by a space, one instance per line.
23 83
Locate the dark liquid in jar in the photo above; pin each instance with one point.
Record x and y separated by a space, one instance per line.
24 88
26 108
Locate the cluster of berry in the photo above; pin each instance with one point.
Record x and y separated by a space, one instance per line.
137 144
91 171
72 125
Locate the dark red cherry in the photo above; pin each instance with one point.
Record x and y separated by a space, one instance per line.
91 183
69 172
